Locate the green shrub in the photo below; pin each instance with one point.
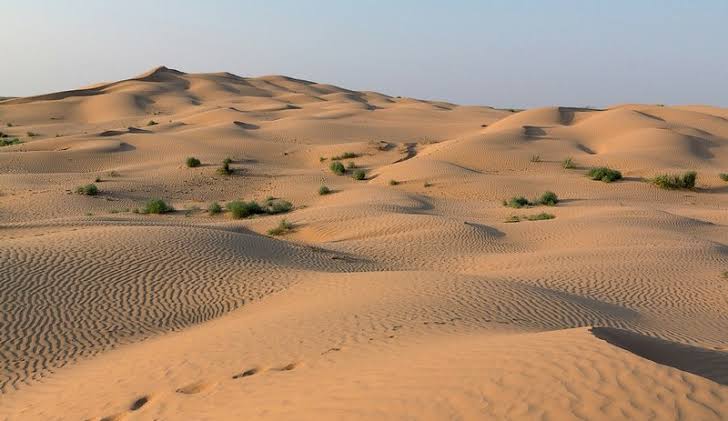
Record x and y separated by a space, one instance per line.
723 176
345 155
152 123
540 217
674 181
193 162
274 206
214 208
225 169
323 190
517 202
282 228
568 163
548 198
10 141
157 206
88 190
393 182
337 168
227 160
351 165
604 174
359 175
241 209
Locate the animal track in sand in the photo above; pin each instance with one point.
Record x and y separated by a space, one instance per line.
194 388
246 373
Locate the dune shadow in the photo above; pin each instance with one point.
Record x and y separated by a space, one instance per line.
246 126
487 229
703 362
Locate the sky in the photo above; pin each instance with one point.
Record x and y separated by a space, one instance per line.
499 53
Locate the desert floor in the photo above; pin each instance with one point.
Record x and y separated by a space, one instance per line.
410 294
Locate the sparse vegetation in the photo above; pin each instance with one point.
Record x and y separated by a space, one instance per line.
88 190
241 209
32 134
351 165
323 190
393 182
537 217
548 198
517 202
152 123
114 174
723 176
227 160
214 208
568 163
10 141
225 169
535 158
157 206
345 155
674 181
604 174
273 206
337 168
359 175
283 227
193 162
427 184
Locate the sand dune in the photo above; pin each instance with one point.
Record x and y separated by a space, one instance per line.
410 294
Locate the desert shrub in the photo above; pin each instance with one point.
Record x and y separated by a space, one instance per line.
345 155
282 228
604 174
351 165
548 198
675 181
152 123
88 190
535 158
32 134
225 169
274 206
10 141
723 176
323 190
393 182
157 206
427 184
512 219
359 175
193 162
540 216
227 160
241 209
517 202
337 168
322 158
214 208
568 163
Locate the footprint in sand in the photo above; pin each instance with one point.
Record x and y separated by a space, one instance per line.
246 373
194 388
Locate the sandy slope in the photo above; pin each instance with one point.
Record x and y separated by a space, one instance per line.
415 300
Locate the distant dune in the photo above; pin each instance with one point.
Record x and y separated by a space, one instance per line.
412 292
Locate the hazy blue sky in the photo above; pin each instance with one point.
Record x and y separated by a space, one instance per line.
502 53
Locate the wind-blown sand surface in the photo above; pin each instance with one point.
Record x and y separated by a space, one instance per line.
413 299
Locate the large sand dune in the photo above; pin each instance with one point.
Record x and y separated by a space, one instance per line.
404 295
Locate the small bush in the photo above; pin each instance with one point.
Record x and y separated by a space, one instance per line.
512 219
351 165
540 217
393 182
157 206
241 209
548 198
88 190
535 158
274 206
193 162
345 155
723 176
674 181
323 190
32 134
227 160
604 174
427 184
517 202
282 228
152 123
568 163
225 169
322 158
359 175
214 208
10 141
337 168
